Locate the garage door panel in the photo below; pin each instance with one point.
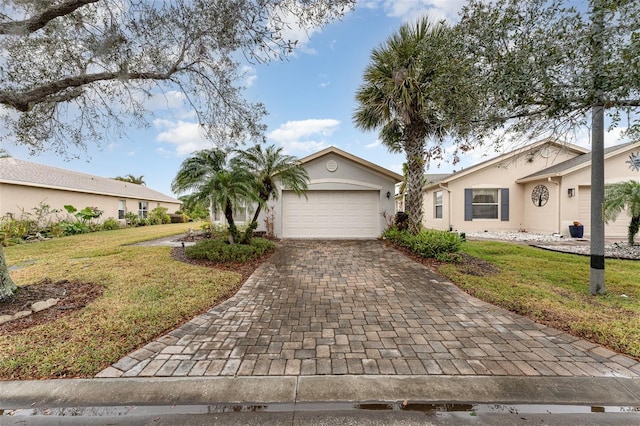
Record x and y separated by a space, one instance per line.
330 214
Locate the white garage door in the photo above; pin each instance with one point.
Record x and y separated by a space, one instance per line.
331 214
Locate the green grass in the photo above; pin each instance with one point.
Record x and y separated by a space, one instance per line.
553 288
146 293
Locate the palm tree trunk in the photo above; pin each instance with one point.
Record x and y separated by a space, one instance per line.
7 286
233 231
415 171
634 226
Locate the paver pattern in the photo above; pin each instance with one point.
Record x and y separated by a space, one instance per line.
360 307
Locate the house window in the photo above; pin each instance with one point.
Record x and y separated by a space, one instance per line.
437 200
485 204
143 208
240 214
122 208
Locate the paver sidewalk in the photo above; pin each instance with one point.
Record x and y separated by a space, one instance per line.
361 308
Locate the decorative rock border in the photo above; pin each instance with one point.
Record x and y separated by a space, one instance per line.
35 307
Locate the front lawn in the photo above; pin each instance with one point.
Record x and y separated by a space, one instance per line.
553 288
145 293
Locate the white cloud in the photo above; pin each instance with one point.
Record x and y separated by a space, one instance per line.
185 137
410 10
304 136
374 144
249 75
172 99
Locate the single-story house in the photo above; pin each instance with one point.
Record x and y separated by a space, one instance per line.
542 187
25 185
347 198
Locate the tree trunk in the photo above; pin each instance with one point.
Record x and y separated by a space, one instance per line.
7 286
634 226
415 171
233 231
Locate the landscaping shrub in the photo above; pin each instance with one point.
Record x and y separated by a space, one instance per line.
159 216
429 243
178 218
220 250
111 224
401 221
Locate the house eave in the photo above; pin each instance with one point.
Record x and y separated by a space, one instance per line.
85 191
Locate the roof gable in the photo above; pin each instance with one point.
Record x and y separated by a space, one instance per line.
576 163
367 164
20 172
512 154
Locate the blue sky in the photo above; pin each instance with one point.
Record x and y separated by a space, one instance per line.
309 97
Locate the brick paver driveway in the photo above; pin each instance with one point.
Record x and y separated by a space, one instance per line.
359 307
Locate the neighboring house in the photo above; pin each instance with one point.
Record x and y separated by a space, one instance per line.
24 185
347 198
542 187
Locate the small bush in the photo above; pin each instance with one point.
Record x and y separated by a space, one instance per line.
219 250
74 228
111 224
158 216
429 243
178 218
401 221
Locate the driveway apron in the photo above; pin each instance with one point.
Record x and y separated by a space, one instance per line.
362 308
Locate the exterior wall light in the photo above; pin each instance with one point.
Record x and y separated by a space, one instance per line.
572 192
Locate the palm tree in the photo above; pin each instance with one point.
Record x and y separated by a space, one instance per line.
621 195
209 179
268 166
396 98
137 180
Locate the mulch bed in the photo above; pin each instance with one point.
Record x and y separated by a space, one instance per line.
73 296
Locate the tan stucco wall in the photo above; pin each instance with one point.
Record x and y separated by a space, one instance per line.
616 170
542 219
14 199
501 174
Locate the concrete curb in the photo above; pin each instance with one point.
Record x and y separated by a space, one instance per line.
320 389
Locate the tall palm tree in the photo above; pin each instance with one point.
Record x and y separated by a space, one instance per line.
621 195
268 166
396 99
208 177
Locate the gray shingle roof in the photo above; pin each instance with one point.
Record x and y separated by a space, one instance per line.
432 178
20 172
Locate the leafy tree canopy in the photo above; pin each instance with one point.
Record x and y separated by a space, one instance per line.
540 67
74 71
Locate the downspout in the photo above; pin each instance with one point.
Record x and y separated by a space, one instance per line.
448 204
557 184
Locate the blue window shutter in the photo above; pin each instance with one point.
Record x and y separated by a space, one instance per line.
468 204
504 204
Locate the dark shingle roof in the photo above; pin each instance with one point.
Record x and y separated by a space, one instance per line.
20 172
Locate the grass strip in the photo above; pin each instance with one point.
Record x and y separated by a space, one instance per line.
553 288
146 293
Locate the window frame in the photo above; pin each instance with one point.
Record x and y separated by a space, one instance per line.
438 196
122 209
494 205
143 209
